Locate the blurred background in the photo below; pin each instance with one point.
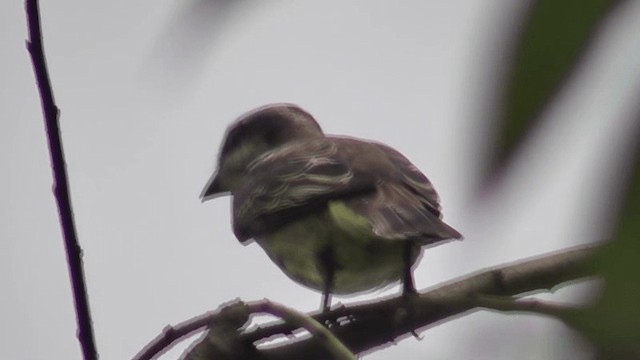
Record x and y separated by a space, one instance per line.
522 114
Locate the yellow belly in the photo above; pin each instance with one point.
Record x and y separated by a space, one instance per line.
362 261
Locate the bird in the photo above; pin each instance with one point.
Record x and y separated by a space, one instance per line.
336 214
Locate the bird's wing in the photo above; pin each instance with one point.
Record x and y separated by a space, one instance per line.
370 188
292 181
405 204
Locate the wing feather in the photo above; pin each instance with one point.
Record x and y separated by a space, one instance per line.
292 181
405 204
373 180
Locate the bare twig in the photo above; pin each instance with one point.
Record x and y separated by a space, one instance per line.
221 317
171 334
60 188
536 306
371 325
292 317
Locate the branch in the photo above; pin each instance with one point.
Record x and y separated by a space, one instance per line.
330 343
507 304
364 326
60 184
222 339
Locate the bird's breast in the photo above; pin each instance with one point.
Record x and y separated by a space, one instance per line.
360 260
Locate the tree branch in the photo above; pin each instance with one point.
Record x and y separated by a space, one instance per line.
507 304
364 326
326 339
60 184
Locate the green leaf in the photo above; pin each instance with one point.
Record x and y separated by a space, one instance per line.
613 324
551 42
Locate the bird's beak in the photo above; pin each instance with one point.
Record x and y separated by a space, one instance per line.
213 189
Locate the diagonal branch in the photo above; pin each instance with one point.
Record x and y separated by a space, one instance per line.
508 304
60 184
377 324
362 327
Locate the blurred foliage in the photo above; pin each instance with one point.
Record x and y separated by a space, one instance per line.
178 61
548 49
613 324
551 41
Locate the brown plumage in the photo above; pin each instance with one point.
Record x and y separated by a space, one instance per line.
337 214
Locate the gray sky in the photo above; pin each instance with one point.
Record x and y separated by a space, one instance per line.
146 90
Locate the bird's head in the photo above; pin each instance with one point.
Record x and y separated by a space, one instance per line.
253 134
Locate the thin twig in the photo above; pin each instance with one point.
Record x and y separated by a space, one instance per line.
293 319
334 346
60 184
535 306
171 334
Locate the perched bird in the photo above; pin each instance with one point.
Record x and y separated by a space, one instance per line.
336 214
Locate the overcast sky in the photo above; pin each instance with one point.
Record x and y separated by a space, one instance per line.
146 90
